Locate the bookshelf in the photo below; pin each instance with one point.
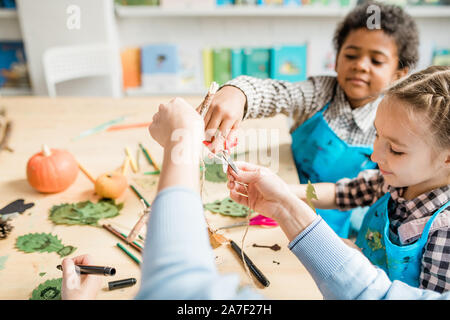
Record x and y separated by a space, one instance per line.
239 26
248 11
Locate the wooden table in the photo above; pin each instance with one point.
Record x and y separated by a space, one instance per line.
56 122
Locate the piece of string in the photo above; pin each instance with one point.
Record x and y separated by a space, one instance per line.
252 281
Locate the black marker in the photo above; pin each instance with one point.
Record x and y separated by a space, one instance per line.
121 283
258 274
82 269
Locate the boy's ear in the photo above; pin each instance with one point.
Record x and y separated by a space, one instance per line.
400 73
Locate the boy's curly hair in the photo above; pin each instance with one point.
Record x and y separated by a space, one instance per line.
394 21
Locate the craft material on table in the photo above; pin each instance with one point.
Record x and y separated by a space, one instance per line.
149 158
99 270
228 207
132 160
52 170
99 128
258 220
17 206
86 173
122 237
128 253
256 272
85 212
128 126
3 261
275 247
49 290
139 195
111 185
142 222
5 137
43 242
119 284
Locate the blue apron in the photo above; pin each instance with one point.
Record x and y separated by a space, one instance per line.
321 156
399 262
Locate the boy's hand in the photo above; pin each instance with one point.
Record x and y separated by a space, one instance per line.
76 286
224 116
176 115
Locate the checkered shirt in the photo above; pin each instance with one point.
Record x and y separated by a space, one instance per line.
369 186
301 100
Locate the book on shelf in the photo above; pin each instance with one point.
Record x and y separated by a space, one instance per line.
187 4
257 62
138 2
191 78
8 4
245 2
224 2
269 2
288 63
221 65
13 65
131 67
237 62
207 57
160 66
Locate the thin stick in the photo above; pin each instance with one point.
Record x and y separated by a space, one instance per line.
149 157
139 195
125 165
208 99
128 126
129 253
120 236
5 139
132 161
86 173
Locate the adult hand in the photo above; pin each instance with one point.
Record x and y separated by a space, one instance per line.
176 120
224 116
76 286
259 189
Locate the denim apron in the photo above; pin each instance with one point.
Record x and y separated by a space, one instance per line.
321 156
399 262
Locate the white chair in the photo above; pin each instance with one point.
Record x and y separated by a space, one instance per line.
82 61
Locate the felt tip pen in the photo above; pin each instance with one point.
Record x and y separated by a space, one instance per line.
82 269
121 283
257 273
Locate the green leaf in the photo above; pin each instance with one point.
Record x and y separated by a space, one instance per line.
311 194
228 207
42 242
85 212
49 290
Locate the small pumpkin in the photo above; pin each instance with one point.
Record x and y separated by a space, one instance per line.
111 185
51 170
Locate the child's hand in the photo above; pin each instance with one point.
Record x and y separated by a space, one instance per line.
224 116
176 120
267 192
79 287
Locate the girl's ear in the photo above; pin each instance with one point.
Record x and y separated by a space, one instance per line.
400 73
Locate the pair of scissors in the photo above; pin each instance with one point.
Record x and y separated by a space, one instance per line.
258 220
224 154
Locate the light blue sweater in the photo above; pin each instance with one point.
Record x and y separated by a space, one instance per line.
179 263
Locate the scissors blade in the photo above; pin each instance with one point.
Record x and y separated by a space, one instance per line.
229 161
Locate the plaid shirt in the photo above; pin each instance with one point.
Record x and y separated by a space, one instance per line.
301 100
404 217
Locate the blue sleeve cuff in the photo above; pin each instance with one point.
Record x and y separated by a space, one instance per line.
320 250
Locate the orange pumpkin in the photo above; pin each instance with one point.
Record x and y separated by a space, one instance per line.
111 185
51 170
